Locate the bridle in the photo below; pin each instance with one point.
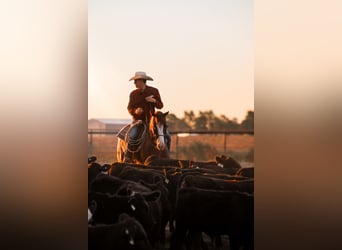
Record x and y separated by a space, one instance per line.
155 132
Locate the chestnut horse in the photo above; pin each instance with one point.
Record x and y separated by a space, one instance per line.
151 143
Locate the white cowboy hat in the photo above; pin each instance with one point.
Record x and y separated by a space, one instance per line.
141 75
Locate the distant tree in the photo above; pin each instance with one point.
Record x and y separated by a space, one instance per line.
201 122
210 117
175 123
207 120
233 124
248 123
189 118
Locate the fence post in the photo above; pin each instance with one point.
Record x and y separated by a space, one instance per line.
224 143
91 137
177 146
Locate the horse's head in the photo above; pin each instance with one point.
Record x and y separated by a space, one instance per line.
158 128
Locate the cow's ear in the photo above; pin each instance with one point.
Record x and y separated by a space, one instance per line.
90 215
166 113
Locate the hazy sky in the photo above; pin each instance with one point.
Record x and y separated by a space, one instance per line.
200 54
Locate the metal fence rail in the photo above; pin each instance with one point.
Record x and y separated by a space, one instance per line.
103 142
236 131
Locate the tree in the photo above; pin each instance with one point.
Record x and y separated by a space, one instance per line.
201 122
176 124
248 123
207 120
189 118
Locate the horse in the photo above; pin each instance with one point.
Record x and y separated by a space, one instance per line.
150 144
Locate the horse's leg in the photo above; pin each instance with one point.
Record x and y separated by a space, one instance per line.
120 150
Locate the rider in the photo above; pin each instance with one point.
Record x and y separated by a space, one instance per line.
142 102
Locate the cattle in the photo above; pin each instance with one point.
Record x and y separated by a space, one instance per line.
246 172
227 162
216 182
135 174
92 159
166 205
173 178
117 167
153 179
206 182
222 163
225 176
145 207
216 213
209 174
157 193
127 233
95 169
115 185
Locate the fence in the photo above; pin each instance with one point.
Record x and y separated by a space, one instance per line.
198 145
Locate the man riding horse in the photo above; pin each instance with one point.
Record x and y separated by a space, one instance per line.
141 105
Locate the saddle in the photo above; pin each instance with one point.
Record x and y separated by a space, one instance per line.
133 134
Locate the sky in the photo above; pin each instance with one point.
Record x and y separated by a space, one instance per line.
199 53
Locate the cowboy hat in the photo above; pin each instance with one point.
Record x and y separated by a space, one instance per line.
141 75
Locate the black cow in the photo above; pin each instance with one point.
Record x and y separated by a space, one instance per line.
115 185
225 176
200 181
117 167
227 162
93 170
92 159
145 207
137 174
224 164
128 233
166 205
204 173
215 213
247 172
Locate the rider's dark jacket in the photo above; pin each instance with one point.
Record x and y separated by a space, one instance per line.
137 100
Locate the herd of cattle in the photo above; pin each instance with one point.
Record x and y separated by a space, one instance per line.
132 206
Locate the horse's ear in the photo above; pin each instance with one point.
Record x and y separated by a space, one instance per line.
166 113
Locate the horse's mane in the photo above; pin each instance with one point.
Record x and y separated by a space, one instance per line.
155 116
